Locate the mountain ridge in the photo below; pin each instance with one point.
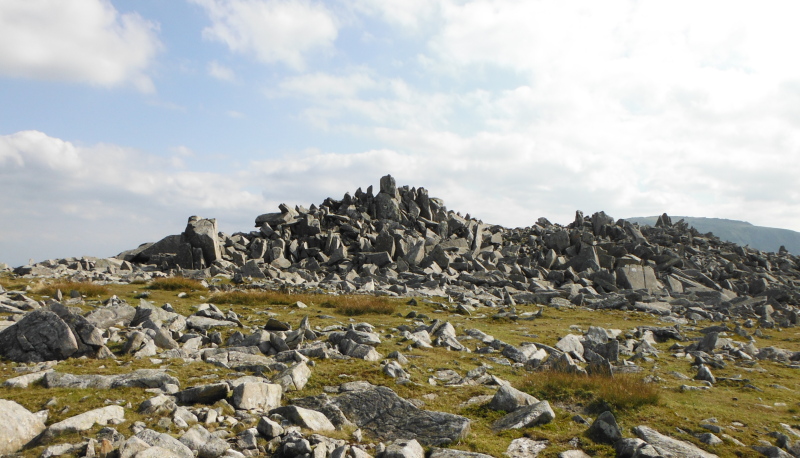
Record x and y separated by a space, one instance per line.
742 233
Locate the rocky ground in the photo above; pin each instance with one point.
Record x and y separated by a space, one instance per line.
385 325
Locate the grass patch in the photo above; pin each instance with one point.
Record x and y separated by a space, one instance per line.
87 289
253 298
361 305
619 393
176 284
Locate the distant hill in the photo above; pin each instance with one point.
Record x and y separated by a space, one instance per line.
739 232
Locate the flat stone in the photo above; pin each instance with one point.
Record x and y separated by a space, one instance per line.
386 416
668 446
85 421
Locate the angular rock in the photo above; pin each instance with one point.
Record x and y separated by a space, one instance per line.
509 399
386 416
257 395
293 378
18 426
203 394
206 445
85 421
668 446
165 441
525 448
524 417
305 418
605 429
404 448
40 335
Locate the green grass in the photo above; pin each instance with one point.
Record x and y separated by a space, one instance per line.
660 405
599 393
361 305
176 284
87 289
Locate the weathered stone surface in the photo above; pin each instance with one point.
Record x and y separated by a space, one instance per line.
142 378
85 421
525 448
404 448
111 315
293 378
532 415
18 426
203 394
198 439
510 399
605 429
24 380
165 441
39 336
669 447
202 233
257 395
306 418
452 453
387 416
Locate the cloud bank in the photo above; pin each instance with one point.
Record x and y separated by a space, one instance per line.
86 41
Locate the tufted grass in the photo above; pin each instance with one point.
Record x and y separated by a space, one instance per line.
617 394
176 284
87 289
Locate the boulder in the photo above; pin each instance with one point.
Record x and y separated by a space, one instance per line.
165 441
198 439
404 448
17 427
605 429
257 395
202 233
509 399
386 416
525 447
203 394
82 422
41 335
525 417
305 418
668 446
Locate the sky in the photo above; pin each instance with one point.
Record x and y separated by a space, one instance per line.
119 119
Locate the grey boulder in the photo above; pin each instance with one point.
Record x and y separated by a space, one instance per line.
524 417
18 426
386 416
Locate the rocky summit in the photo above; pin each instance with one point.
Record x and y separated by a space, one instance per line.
294 374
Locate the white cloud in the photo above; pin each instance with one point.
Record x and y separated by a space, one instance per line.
86 41
272 31
221 72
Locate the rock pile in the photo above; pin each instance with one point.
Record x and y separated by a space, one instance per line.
403 242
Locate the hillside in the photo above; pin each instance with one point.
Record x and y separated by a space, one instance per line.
739 232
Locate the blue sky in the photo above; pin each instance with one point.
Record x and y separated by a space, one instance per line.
120 119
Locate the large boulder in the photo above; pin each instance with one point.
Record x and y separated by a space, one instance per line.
386 416
202 233
18 426
39 336
668 446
